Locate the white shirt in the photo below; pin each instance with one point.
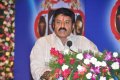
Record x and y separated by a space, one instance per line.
40 54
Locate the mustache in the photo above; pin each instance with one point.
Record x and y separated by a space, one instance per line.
62 29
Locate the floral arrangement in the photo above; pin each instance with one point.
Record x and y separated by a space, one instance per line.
68 65
7 30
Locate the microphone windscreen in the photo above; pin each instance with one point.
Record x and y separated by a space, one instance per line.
69 43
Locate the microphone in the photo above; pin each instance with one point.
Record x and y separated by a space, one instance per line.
69 44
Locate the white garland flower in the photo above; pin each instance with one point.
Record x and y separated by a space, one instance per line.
93 60
2 63
7 61
115 65
79 56
102 78
89 75
66 51
8 24
86 61
79 67
10 1
6 29
115 54
6 12
98 63
4 22
103 63
11 11
64 67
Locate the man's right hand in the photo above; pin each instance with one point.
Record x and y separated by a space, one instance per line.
45 76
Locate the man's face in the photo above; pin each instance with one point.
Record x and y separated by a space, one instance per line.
62 26
79 24
42 25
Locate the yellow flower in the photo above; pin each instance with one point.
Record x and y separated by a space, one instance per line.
10 75
8 69
11 63
7 39
7 54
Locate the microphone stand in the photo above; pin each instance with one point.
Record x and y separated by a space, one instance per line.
69 44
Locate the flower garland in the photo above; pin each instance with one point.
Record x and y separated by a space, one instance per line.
48 4
7 31
85 65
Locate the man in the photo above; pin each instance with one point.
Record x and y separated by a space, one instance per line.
42 26
79 25
118 21
63 24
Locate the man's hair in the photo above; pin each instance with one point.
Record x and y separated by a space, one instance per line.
79 18
64 11
42 20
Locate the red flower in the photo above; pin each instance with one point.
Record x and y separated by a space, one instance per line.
66 73
57 72
1 67
72 61
57 75
54 52
60 55
3 58
76 75
61 61
67 1
104 70
53 1
11 58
